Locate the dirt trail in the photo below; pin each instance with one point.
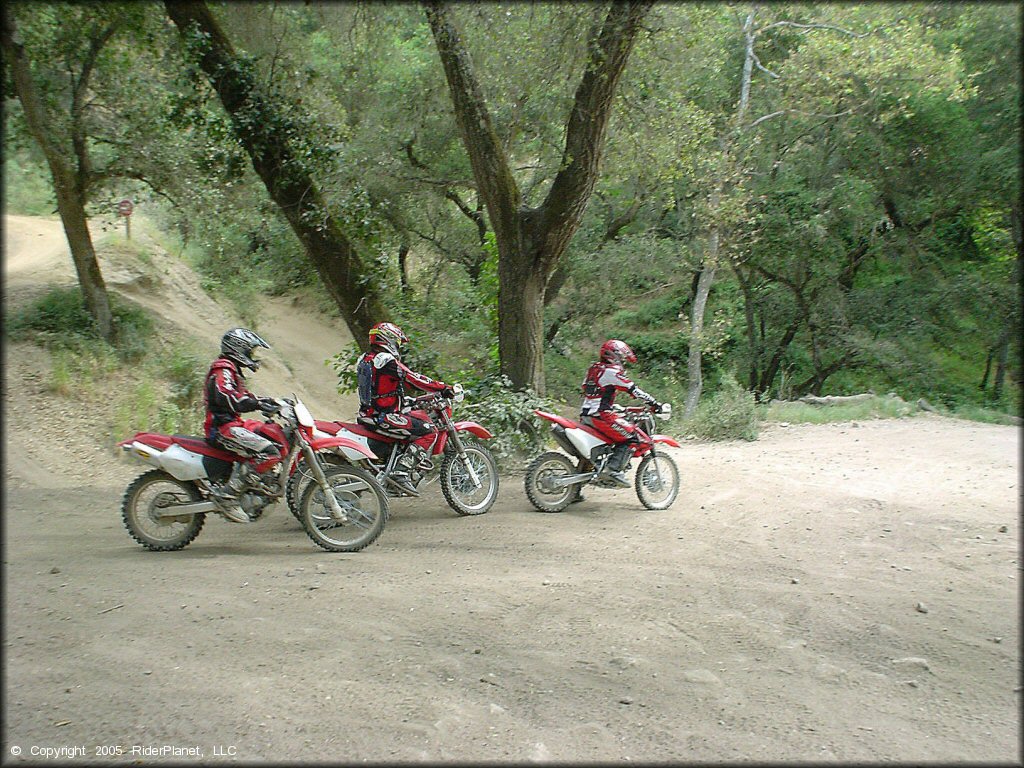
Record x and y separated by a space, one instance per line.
845 592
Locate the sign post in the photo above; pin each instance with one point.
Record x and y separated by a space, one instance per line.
125 208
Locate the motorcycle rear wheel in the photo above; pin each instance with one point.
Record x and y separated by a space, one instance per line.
542 470
457 485
362 500
145 496
657 481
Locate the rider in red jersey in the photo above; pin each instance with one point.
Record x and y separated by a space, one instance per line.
382 399
604 380
226 397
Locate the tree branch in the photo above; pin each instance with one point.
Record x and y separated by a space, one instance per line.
609 51
490 165
810 26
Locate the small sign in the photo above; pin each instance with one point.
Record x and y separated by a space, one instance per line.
125 208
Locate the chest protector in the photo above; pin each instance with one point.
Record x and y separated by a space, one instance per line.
591 385
379 391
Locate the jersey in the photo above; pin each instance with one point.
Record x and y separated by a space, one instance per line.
602 383
225 395
382 378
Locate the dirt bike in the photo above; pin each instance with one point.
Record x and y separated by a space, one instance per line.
468 473
553 481
343 510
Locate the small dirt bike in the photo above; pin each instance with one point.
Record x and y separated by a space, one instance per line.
468 472
343 510
553 481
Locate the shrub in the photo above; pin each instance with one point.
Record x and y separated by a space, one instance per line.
508 414
59 320
730 414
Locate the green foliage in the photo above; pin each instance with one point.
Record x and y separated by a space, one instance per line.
59 320
344 365
878 407
729 414
508 414
28 189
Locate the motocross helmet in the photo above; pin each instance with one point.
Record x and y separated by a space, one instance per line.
238 345
388 337
618 352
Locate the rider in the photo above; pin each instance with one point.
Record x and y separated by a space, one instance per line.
226 396
603 381
382 400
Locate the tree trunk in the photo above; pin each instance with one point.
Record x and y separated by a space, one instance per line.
531 241
264 132
752 337
700 300
69 190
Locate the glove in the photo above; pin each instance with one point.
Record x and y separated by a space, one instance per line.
269 405
448 392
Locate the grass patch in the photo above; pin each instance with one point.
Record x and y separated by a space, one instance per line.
58 320
973 412
878 407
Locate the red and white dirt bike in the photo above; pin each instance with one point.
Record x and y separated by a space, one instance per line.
553 481
343 510
468 473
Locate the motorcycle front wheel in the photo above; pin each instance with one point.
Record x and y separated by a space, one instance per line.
146 497
300 478
457 484
361 499
541 473
657 481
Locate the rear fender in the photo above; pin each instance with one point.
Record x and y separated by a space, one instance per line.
350 448
560 420
474 429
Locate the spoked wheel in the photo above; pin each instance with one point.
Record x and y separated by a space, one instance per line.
539 481
300 478
657 481
361 499
457 483
146 498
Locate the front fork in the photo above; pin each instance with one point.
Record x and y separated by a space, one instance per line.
321 479
460 451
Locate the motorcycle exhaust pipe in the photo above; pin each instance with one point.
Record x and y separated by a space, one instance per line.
562 482
195 508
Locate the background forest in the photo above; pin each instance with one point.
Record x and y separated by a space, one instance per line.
792 199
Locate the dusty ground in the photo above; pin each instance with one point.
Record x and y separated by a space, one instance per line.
845 592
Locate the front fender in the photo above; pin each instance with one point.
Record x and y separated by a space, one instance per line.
324 443
473 428
666 439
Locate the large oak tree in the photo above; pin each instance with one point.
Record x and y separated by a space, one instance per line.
532 240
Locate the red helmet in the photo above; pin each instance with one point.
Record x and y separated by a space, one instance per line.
615 351
389 337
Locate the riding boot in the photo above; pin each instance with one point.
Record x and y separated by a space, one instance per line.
227 493
618 461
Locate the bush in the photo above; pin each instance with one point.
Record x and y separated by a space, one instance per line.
508 414
730 414
59 320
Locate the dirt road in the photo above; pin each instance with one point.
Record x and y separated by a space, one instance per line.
845 592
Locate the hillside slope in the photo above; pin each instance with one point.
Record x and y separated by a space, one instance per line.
36 256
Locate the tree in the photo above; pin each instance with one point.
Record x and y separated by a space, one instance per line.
531 241
61 133
272 138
